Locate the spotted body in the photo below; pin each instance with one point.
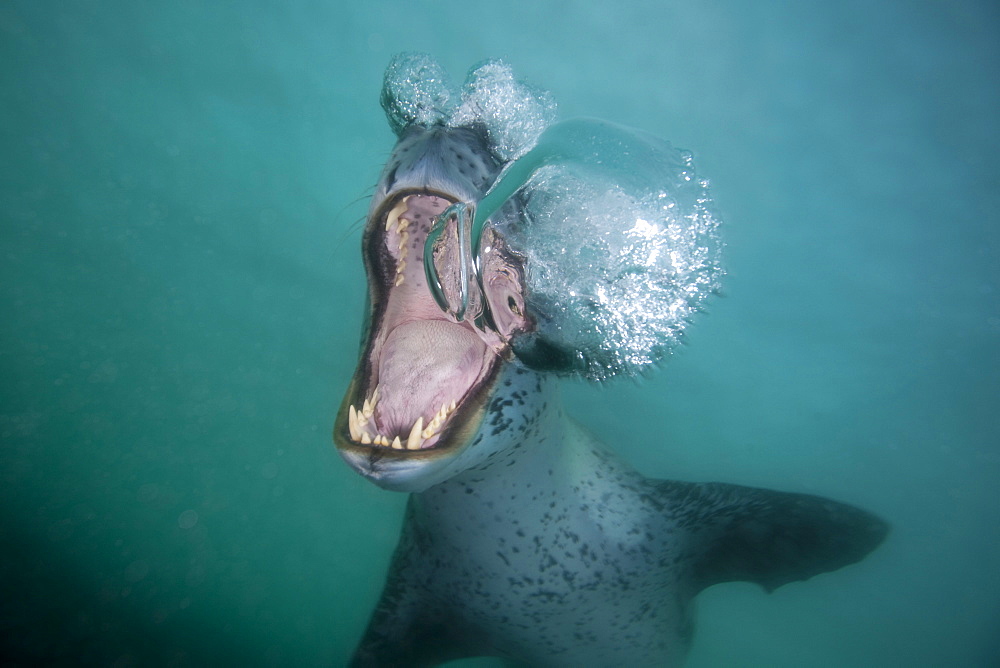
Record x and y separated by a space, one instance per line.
524 537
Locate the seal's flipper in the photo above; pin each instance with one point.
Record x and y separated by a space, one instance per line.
771 538
409 627
402 633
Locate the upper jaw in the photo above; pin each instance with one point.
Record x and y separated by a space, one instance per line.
424 379
419 394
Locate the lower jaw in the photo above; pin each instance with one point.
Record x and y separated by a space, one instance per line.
404 470
459 430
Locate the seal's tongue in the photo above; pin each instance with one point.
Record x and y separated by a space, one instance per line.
425 364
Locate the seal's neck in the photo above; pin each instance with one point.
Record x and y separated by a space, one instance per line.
542 461
525 430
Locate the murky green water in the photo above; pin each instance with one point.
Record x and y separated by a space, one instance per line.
181 291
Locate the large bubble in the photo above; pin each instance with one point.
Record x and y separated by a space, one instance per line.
613 277
620 246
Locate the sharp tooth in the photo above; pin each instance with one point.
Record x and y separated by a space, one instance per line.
365 438
452 407
432 427
397 444
402 225
413 441
369 406
404 237
352 423
393 217
401 266
399 280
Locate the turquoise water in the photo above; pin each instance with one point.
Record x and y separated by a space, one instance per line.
181 292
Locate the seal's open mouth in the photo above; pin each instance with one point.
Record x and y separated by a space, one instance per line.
424 370
423 378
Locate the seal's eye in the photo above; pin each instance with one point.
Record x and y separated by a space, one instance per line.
512 305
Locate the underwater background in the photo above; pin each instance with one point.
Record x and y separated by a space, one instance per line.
181 294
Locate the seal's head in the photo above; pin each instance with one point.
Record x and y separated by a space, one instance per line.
421 387
600 244
422 384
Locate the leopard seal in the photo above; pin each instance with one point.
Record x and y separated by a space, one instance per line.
524 537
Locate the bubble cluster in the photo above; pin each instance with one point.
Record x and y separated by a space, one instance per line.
417 90
513 113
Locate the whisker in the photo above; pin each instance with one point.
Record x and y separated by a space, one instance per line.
357 223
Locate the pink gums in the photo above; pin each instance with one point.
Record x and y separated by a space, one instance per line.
423 359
